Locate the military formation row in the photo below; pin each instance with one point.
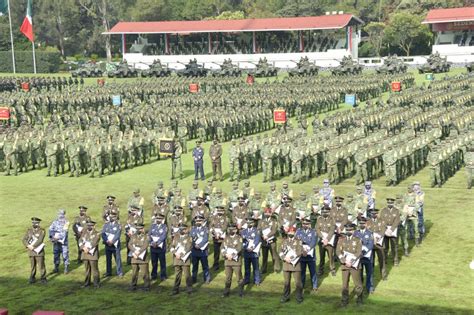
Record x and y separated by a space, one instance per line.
240 237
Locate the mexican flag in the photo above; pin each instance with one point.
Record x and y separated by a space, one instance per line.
27 26
3 7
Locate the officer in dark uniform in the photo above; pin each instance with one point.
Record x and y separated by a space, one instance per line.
199 252
157 235
198 155
251 246
367 238
309 239
111 232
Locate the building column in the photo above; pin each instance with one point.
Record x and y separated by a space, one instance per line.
209 41
254 43
123 46
167 44
301 41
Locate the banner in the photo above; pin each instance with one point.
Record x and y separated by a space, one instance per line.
166 147
279 116
396 86
4 113
350 99
116 100
429 77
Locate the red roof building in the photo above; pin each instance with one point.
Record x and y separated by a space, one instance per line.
449 15
336 21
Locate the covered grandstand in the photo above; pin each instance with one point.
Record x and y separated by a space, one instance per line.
454 30
323 39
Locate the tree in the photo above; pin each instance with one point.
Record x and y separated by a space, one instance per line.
150 10
375 30
229 15
404 29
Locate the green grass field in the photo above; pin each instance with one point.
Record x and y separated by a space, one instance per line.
435 279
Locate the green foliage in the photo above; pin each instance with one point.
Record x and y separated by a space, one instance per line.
76 26
367 50
405 29
46 62
375 30
229 15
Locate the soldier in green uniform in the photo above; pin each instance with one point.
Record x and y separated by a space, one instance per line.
95 153
268 228
215 153
349 252
290 253
138 247
176 161
234 152
10 151
51 157
73 150
469 161
181 250
78 227
33 242
232 251
89 244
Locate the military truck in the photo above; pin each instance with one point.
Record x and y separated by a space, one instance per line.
89 69
156 70
347 66
304 68
391 65
264 69
435 64
227 69
122 70
192 69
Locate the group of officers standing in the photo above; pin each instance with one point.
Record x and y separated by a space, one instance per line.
239 234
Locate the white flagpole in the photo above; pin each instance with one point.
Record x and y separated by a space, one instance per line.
11 36
34 57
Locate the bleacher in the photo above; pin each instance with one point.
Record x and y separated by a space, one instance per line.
235 44
464 38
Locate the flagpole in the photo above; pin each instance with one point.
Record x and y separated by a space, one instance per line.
11 36
34 57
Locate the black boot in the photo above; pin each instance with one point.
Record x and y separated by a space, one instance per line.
56 269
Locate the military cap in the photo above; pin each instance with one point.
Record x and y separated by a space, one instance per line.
241 196
307 219
178 207
399 196
35 220
339 198
326 181
82 207
368 183
218 190
160 182
272 184
350 226
139 225
359 188
302 194
374 210
200 195
316 188
284 183
136 190
160 216
350 196
160 197
199 218
287 197
390 200
90 222
111 197
232 226
134 207
235 184
198 142
363 219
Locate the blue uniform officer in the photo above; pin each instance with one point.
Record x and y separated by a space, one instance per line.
111 238
308 258
367 239
157 235
198 155
199 251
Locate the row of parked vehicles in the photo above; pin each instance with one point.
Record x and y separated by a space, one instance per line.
348 66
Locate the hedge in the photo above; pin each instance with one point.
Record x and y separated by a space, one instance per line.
46 62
